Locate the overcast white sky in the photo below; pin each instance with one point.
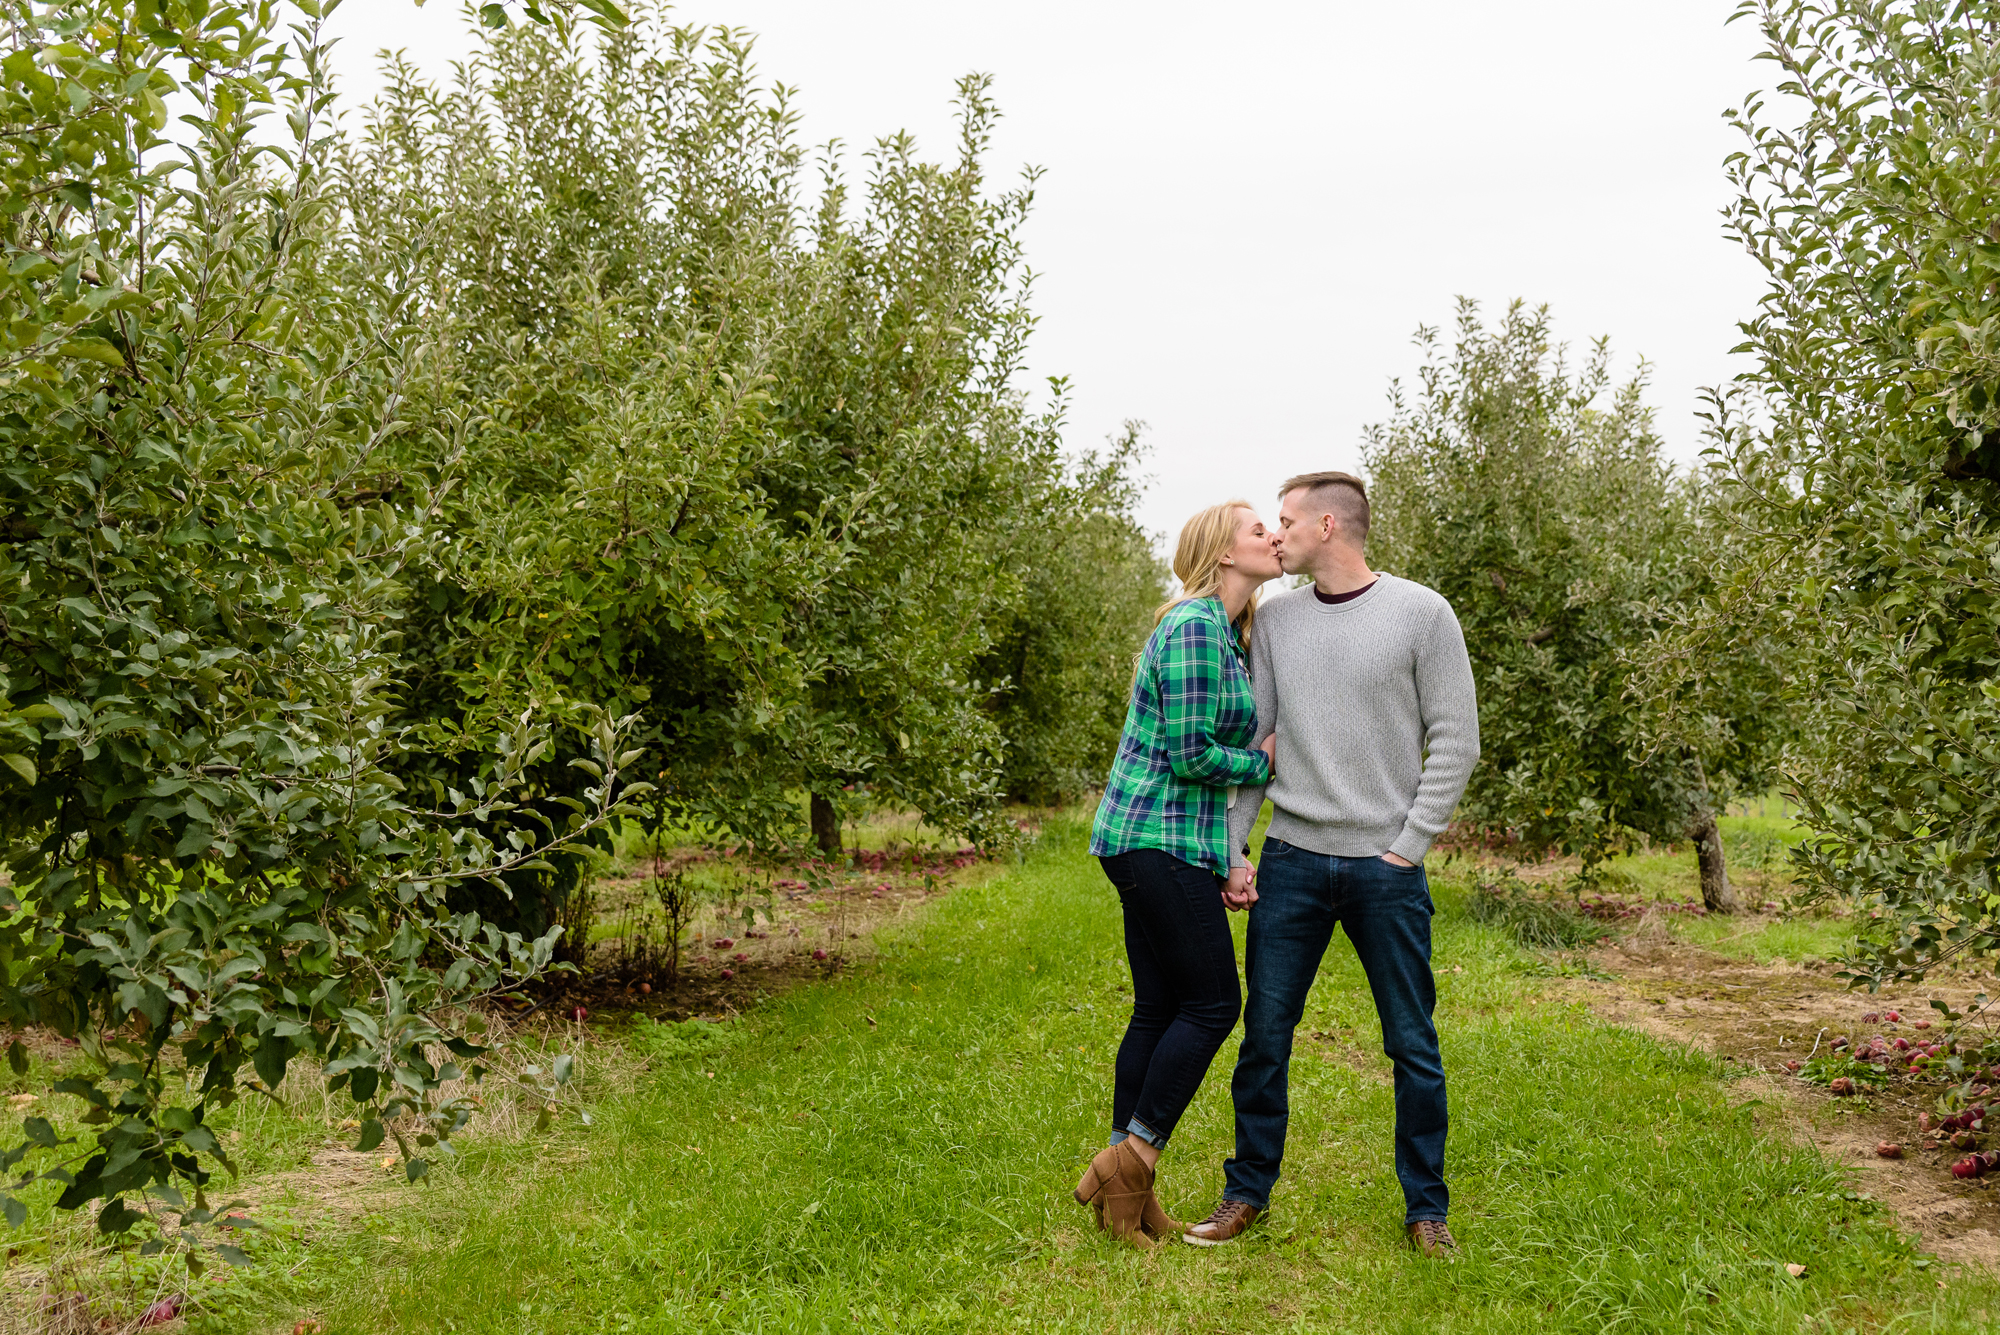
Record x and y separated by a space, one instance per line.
1248 209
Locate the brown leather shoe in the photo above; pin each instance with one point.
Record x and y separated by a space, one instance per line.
1103 1167
1229 1219
1118 1188
1430 1237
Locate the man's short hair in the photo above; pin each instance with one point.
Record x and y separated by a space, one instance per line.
1341 495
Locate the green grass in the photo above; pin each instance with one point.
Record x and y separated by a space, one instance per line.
1791 939
1760 843
912 1174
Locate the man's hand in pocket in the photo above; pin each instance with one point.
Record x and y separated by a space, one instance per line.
1397 860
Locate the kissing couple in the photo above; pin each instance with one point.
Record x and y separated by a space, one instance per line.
1349 703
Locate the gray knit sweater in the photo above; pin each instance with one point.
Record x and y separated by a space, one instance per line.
1377 723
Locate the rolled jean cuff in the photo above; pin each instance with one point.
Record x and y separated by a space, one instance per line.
1146 1133
1117 1136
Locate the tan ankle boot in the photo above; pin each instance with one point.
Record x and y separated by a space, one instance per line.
1119 1189
1090 1191
1158 1225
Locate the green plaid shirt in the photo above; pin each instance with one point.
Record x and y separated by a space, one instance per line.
1191 719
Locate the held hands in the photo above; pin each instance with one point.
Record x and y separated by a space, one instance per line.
1241 892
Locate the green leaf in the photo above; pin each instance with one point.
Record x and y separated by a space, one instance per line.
21 765
93 349
611 15
116 1217
272 1055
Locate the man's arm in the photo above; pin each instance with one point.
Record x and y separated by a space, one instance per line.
1250 797
1449 706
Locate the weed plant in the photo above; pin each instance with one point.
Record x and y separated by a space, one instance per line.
1534 921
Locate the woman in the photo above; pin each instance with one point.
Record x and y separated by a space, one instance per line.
1162 835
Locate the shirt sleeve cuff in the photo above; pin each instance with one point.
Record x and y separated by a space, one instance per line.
1411 845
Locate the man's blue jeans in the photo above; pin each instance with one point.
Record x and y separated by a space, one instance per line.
1386 912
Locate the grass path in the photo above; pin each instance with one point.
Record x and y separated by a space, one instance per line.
893 1152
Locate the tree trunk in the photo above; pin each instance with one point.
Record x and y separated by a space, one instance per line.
826 826
1716 893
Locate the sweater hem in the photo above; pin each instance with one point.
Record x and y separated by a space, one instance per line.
1335 841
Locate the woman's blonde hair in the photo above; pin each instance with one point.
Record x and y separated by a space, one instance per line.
1205 540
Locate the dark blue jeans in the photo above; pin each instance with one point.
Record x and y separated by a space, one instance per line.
1386 912
1185 997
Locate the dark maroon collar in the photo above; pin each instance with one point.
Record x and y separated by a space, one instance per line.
1330 598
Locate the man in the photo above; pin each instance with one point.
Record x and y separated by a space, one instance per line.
1365 703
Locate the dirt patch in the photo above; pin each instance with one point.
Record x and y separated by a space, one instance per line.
1762 1016
786 924
340 1184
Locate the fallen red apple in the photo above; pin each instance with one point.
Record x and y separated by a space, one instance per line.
728 974
1893 1017
1842 1085
724 942
1920 1024
579 1013
1923 1121
1791 1066
1871 1017
645 989
161 1312
1889 1149
1969 1166
1902 1045
1963 1140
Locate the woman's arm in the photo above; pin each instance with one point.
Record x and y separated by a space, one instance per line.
1189 669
